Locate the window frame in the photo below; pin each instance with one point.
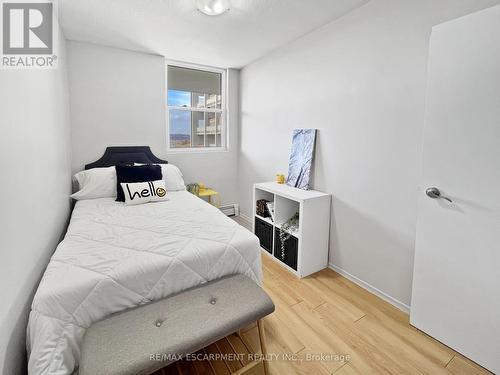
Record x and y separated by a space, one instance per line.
223 110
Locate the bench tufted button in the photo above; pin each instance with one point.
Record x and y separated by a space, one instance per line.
213 301
158 323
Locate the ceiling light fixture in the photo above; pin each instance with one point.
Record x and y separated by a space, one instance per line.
212 7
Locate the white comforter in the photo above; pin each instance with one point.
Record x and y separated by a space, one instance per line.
115 257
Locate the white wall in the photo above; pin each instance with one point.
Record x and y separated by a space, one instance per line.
118 98
361 81
34 201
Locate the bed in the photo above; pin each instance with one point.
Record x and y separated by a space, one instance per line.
116 257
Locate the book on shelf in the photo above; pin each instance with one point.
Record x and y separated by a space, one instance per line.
270 209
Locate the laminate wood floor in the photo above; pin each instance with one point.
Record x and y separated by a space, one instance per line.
325 324
211 360
327 314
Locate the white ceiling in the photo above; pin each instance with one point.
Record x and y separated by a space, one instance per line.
175 29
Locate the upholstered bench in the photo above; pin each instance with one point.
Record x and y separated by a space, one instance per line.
131 342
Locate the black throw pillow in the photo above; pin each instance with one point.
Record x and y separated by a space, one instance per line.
138 173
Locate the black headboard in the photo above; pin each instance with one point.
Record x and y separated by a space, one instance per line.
126 155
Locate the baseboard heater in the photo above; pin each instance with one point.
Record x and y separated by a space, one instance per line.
230 209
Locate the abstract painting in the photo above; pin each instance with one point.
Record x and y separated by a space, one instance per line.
301 157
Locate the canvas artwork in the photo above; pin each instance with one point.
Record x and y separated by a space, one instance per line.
301 157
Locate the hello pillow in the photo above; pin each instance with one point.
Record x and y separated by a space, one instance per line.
130 174
144 192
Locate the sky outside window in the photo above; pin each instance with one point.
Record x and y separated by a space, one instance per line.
179 98
180 121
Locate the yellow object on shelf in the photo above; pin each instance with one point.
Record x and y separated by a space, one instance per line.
280 178
209 193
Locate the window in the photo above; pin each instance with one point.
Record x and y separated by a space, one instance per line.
195 108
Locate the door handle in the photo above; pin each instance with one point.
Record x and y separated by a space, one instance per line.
434 193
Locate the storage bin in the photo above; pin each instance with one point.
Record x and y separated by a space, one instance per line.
264 231
289 256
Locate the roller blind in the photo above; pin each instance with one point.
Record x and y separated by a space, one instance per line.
192 80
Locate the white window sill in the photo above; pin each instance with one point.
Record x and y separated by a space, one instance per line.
205 150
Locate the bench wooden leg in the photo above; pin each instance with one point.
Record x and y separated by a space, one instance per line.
263 347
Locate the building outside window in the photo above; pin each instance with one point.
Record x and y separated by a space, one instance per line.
196 108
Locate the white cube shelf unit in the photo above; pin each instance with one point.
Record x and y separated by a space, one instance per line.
306 251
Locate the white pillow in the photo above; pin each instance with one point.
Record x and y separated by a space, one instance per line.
144 192
96 183
172 176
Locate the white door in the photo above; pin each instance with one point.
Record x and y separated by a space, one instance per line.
456 283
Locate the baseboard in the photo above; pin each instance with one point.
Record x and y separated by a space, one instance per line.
363 284
232 209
